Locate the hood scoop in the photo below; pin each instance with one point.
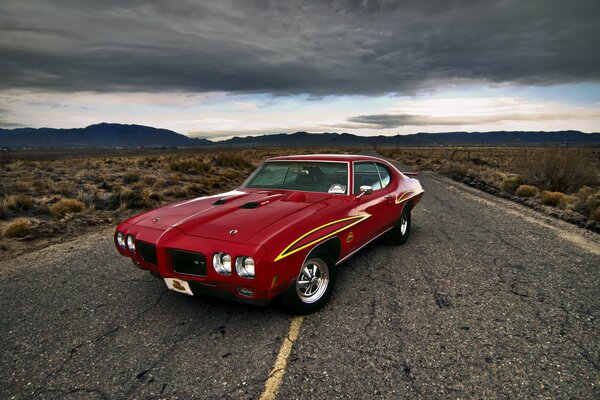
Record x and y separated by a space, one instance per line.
219 202
295 196
264 201
252 204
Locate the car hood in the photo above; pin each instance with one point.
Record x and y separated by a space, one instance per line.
234 216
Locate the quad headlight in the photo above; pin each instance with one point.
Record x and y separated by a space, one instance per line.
121 240
131 243
222 263
244 266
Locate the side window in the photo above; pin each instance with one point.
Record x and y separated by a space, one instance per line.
384 174
365 173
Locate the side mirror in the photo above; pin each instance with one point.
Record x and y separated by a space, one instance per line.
365 189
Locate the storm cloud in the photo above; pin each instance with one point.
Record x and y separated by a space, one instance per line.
388 121
291 47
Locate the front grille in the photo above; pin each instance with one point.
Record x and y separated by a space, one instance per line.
187 262
147 251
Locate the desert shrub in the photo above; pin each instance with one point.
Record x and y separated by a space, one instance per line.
189 166
131 177
131 199
18 202
43 209
138 187
40 186
215 182
586 201
511 183
593 201
154 196
478 161
455 168
66 206
65 188
595 214
194 189
526 191
18 228
556 198
231 160
232 174
149 180
23 185
177 192
557 170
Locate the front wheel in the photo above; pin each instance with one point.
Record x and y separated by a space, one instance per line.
401 230
313 285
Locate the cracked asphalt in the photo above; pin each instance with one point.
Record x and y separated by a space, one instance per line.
487 299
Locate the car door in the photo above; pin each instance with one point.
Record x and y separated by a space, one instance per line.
391 213
376 204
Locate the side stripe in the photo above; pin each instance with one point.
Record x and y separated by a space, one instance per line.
351 222
407 196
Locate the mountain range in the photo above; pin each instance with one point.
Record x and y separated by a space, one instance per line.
120 135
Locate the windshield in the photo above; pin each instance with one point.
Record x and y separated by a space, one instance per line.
310 176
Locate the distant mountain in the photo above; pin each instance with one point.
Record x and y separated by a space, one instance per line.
501 138
119 135
99 135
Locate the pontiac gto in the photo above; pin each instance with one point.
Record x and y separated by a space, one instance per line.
284 232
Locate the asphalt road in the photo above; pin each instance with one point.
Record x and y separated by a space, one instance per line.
487 299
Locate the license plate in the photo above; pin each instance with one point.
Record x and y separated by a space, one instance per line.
179 286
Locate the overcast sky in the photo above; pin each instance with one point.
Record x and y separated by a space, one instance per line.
224 68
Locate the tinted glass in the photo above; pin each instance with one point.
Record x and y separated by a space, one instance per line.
384 174
310 176
366 174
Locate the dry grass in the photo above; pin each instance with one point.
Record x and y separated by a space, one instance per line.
18 228
556 170
574 172
595 215
18 202
526 191
109 189
511 183
63 194
66 206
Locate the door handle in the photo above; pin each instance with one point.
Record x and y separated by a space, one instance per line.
388 197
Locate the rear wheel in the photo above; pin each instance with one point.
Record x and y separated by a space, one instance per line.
401 231
313 286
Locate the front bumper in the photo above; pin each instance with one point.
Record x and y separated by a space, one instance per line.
205 281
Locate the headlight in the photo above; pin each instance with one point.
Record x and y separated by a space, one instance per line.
244 266
131 243
222 263
121 240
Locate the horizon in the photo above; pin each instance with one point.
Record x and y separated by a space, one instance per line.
222 69
214 140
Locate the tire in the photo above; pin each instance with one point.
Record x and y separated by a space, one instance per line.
313 286
401 231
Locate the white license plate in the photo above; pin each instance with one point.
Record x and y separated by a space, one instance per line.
179 286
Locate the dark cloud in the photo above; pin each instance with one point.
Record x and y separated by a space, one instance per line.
388 121
284 47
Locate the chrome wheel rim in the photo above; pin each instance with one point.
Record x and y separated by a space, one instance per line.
312 280
403 224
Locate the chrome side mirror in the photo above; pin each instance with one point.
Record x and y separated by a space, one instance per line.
365 189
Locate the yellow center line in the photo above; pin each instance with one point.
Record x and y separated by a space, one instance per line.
276 375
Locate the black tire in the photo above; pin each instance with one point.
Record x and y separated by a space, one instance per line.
313 286
400 232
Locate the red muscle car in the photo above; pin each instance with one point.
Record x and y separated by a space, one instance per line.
283 232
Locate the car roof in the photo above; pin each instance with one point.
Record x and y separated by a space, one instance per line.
326 157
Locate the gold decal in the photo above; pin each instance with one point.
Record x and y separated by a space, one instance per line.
350 237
